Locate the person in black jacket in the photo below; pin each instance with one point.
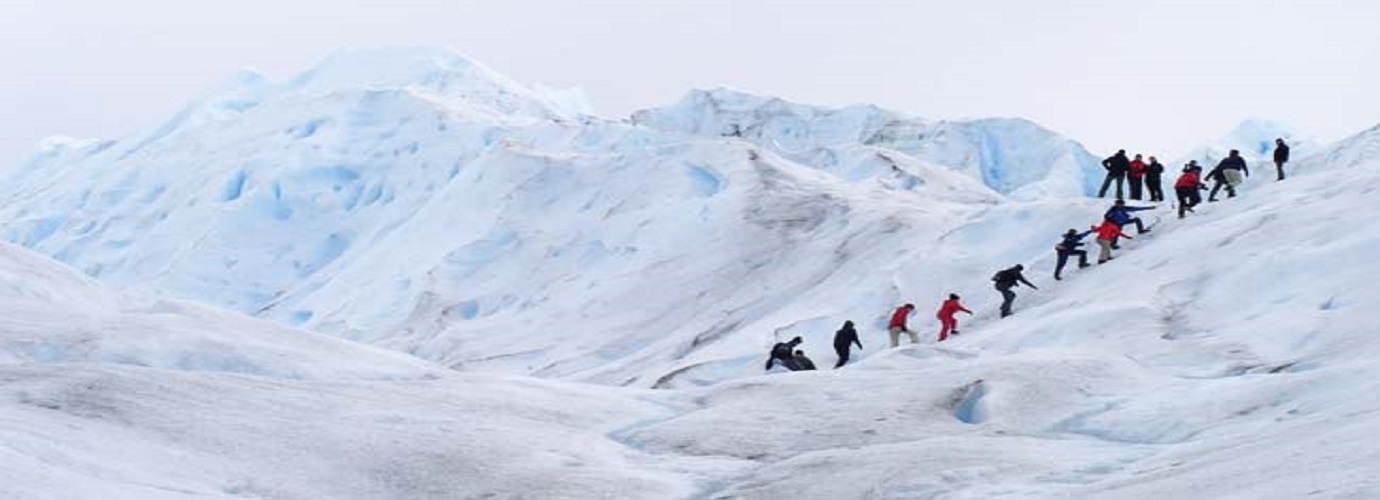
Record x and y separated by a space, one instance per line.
843 342
1006 279
1281 156
1153 171
1069 247
784 352
1228 173
1117 165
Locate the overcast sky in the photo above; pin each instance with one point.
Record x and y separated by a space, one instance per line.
1153 76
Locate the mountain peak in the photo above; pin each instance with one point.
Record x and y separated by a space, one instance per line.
440 73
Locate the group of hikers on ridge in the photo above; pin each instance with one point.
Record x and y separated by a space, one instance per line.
1144 177
1229 173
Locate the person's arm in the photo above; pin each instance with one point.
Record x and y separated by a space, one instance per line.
1124 235
856 341
964 309
770 360
1027 283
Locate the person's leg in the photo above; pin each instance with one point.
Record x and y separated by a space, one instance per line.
842 351
943 329
1082 257
895 334
953 326
1007 297
1135 187
1059 264
914 337
1106 253
1140 226
1106 183
1120 180
1216 185
1279 167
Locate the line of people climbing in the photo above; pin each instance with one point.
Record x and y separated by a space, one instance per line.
1228 174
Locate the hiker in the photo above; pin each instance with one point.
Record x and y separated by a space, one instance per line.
1281 156
1230 172
1120 213
1006 279
948 324
1187 188
1135 175
802 362
898 325
1116 165
1107 234
1153 171
843 341
784 352
1068 248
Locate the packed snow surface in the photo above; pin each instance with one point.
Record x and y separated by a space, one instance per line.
494 232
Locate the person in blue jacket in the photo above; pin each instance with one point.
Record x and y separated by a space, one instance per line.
1120 213
1068 248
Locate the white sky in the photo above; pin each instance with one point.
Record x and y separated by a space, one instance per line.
1150 75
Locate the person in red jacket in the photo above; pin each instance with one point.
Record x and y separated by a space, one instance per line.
1188 186
1136 177
1107 233
898 325
947 322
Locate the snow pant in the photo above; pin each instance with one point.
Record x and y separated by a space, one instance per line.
842 351
1219 184
895 332
1188 198
1106 253
1007 297
1279 167
1119 177
1064 259
1152 184
946 325
1135 188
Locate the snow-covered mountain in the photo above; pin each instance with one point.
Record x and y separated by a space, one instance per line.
418 201
1013 156
495 229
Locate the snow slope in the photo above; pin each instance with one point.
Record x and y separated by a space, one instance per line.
112 396
54 315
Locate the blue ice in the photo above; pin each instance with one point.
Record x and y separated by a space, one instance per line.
705 181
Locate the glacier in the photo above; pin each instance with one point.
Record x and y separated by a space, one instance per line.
442 284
